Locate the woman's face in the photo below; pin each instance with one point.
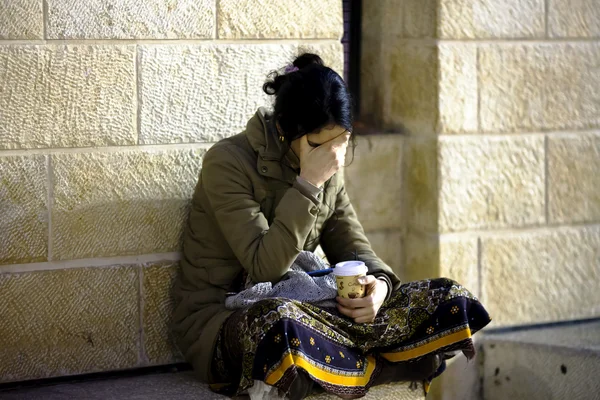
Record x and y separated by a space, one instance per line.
324 135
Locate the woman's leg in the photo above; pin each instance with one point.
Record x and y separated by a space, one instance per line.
295 347
436 316
225 368
420 323
233 333
409 371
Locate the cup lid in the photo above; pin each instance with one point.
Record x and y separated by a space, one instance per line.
349 268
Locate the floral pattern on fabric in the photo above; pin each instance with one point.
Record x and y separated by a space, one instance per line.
280 336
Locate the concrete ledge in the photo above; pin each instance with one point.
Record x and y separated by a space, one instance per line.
552 362
172 385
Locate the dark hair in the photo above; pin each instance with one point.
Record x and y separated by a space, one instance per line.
309 98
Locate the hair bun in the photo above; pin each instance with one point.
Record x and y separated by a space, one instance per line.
277 79
306 59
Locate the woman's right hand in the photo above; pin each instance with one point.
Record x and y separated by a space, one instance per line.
318 164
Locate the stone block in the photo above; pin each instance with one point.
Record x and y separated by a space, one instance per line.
389 246
23 209
332 54
573 178
532 87
117 203
272 19
127 19
374 181
419 18
200 93
483 19
384 19
411 76
371 20
490 182
22 19
422 175
457 88
63 96
541 276
372 89
574 18
157 301
433 256
67 322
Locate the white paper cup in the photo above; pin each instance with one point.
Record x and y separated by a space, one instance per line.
346 276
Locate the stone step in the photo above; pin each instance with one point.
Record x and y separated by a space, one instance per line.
167 386
543 363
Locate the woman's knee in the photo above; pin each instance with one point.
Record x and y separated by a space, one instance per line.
273 309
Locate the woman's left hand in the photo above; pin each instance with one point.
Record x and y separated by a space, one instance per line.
365 309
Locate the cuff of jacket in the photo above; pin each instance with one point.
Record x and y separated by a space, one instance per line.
308 189
388 282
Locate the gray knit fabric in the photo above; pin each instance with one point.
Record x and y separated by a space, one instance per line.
295 285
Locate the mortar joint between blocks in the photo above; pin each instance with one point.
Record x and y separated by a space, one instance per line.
49 204
142 356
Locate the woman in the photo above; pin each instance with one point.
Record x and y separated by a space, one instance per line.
265 195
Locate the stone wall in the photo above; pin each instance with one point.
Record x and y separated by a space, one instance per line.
106 109
498 103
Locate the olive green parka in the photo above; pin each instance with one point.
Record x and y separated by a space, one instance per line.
249 212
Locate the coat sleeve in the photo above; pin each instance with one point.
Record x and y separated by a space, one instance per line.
265 252
344 239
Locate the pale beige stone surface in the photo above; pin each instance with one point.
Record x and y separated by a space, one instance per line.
332 54
462 183
128 19
389 246
574 178
374 181
460 19
419 88
421 176
274 19
580 336
391 19
66 322
372 14
525 87
491 182
422 257
434 256
22 19
63 96
411 76
420 18
522 371
372 93
23 209
177 385
203 93
541 276
457 88
158 342
170 385
574 18
120 203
